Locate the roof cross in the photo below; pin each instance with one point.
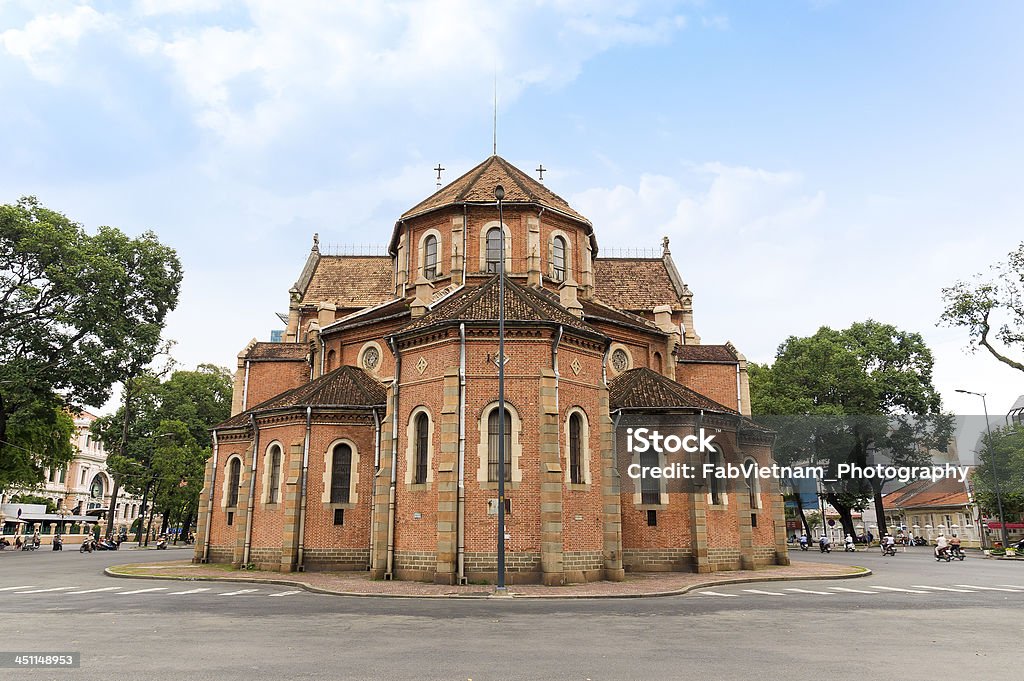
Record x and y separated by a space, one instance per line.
540 171
439 169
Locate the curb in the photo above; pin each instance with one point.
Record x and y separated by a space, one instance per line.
864 572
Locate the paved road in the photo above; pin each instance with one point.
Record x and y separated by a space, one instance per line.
912 609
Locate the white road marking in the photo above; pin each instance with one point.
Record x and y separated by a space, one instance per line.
983 588
239 592
142 591
702 593
808 591
763 593
896 588
12 588
39 591
190 591
853 591
290 593
1012 586
92 591
943 588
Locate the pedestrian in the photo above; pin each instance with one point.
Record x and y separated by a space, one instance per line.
871 537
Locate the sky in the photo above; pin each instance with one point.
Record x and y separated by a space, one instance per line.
813 162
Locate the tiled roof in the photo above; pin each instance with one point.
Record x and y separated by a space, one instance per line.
346 386
943 492
595 309
635 283
395 308
350 280
477 186
278 351
522 304
643 388
706 353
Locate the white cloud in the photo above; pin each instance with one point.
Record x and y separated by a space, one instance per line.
45 40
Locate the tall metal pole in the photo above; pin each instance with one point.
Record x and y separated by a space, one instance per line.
499 194
995 473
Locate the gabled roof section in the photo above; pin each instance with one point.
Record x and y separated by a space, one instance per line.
638 284
944 492
277 352
719 354
596 310
346 386
348 281
522 304
643 388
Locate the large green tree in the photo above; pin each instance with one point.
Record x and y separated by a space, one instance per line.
79 312
1005 459
991 308
860 396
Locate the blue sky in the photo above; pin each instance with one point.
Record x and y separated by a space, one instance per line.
813 162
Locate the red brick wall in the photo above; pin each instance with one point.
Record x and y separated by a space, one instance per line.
269 379
717 381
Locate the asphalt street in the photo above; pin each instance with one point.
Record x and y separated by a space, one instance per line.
912 614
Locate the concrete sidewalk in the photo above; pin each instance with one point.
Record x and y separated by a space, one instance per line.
636 585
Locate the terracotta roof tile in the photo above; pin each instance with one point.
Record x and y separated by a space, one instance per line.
522 303
944 492
350 280
346 386
643 388
278 351
597 310
477 186
706 353
635 284
395 308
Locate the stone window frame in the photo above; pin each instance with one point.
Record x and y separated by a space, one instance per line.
551 256
362 351
353 483
265 482
638 497
488 226
225 487
410 449
753 485
482 449
421 251
331 361
611 352
714 483
584 449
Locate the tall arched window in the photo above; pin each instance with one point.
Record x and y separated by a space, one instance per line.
558 259
332 358
275 475
493 426
494 249
234 473
650 487
575 449
716 485
430 257
341 473
753 485
422 438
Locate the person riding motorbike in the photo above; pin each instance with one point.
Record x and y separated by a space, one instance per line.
888 545
849 543
803 541
941 546
824 545
954 546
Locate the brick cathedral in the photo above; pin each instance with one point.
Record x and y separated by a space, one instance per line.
368 438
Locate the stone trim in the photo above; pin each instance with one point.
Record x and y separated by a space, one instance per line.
517 446
410 448
265 480
353 493
483 245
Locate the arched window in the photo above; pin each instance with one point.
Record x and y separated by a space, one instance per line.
558 259
657 362
430 257
234 474
422 438
341 473
274 483
494 249
332 357
493 435
575 449
650 486
716 485
753 485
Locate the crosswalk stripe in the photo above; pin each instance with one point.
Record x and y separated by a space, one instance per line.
290 593
808 591
763 593
13 588
190 591
92 591
853 591
239 592
983 588
896 588
943 588
1012 586
702 593
40 591
142 591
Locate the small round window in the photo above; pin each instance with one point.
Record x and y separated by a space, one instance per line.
371 357
620 360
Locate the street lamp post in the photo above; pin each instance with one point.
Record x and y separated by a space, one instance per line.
499 194
995 473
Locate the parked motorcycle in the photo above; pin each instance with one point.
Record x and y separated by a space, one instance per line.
920 541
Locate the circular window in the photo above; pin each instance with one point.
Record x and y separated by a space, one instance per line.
371 356
620 360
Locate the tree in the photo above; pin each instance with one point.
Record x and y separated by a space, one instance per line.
858 396
992 301
1005 459
78 313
